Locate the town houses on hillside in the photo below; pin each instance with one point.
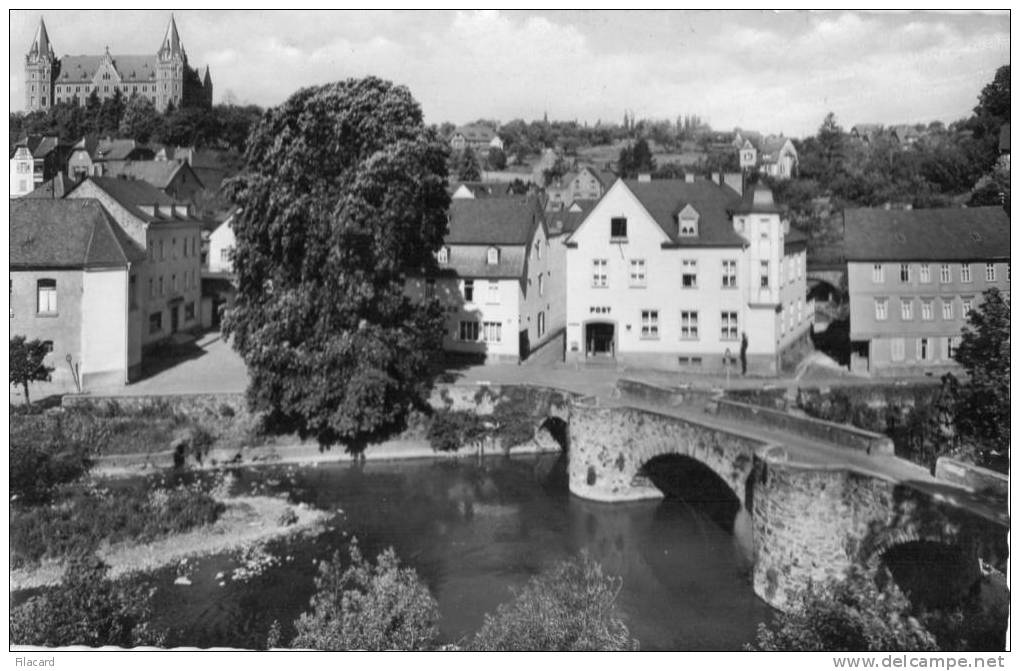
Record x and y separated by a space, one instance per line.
478 137
913 276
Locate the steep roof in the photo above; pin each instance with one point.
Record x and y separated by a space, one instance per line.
484 189
771 146
665 198
121 150
57 187
493 221
41 43
476 133
472 261
39 145
134 194
171 43
67 234
944 234
157 173
131 68
566 220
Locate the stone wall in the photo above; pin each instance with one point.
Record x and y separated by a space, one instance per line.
609 446
842 435
182 403
667 396
972 477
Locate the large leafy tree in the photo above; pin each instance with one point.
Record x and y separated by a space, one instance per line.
27 362
344 192
982 415
140 120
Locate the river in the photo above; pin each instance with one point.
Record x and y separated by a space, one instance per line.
473 530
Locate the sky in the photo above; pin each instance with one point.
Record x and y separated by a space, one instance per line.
765 71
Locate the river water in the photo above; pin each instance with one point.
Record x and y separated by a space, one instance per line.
473 530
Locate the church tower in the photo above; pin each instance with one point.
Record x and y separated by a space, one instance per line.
40 66
170 64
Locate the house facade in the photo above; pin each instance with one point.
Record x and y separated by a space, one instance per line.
175 178
169 279
586 183
74 277
496 280
913 276
478 137
778 157
21 169
684 275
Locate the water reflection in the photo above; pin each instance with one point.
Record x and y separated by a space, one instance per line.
475 531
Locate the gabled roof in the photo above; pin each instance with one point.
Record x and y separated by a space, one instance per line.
665 198
39 145
58 187
866 128
131 68
943 234
476 133
569 218
157 173
484 189
171 43
492 221
472 261
134 194
772 145
41 42
67 234
121 150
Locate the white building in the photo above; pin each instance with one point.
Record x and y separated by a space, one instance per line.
681 274
496 280
221 246
22 163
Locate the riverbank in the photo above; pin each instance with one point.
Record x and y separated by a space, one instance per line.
303 454
246 519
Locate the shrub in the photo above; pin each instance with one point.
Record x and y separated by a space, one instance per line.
287 518
86 609
853 614
365 607
570 607
226 410
452 429
50 450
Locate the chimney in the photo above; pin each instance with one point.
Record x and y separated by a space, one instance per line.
735 181
644 177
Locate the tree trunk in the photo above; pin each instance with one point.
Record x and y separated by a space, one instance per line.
28 402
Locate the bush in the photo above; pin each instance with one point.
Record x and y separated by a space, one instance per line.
452 429
365 607
570 607
83 517
86 609
50 450
854 614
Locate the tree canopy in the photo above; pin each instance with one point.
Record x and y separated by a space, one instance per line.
27 363
344 192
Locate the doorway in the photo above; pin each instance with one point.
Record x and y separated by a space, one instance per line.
600 340
173 319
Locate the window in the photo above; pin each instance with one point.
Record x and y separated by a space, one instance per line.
443 255
881 309
800 310
989 272
924 352
156 322
729 326
493 296
152 288
965 272
764 274
541 285
906 309
469 291
927 309
637 272
945 275
162 252
688 226
173 282
689 274
967 304
649 323
48 346
541 324
132 290
729 274
897 349
689 324
926 272
947 308
46 293
185 251
468 331
161 289
430 288
904 272
600 273
538 250
189 311
952 343
492 332
493 256
618 228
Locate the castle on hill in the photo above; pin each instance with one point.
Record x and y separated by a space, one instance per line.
164 77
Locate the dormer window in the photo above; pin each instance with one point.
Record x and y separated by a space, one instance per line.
687 222
493 256
443 255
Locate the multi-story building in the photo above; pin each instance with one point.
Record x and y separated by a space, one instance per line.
477 137
913 276
164 77
74 285
585 183
170 278
34 160
778 157
496 280
685 274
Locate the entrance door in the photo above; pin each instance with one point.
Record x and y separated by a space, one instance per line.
173 319
600 340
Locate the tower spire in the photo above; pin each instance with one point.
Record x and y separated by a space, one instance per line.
171 45
41 47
